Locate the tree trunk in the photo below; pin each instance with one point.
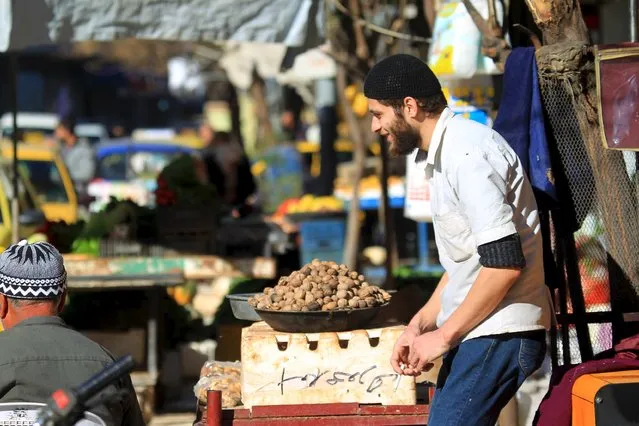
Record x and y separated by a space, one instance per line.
265 136
567 62
559 20
353 227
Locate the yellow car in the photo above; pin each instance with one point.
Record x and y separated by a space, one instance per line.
44 169
31 215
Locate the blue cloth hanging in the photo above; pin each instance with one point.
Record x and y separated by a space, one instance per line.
520 119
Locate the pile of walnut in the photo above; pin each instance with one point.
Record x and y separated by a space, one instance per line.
319 285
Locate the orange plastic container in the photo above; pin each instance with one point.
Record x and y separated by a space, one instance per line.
606 398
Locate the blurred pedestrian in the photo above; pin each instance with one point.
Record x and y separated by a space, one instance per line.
229 168
118 131
77 155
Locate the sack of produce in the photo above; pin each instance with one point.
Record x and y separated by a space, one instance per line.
229 385
222 376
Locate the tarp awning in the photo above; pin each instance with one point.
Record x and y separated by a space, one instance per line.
40 22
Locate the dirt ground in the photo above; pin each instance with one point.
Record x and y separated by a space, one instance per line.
173 419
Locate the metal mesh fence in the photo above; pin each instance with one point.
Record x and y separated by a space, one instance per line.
584 175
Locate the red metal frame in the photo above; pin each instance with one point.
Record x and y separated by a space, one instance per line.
316 414
214 405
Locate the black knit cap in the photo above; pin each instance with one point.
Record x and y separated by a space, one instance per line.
399 76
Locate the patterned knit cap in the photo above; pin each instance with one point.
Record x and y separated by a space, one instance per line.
32 271
399 76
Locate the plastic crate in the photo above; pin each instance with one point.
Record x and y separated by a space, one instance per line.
122 248
322 237
188 230
247 237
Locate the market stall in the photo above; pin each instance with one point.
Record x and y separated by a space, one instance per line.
318 350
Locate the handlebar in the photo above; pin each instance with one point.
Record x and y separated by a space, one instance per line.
65 407
110 374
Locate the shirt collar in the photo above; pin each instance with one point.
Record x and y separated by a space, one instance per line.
421 157
44 320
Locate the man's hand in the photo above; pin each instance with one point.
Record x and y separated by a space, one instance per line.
424 350
401 350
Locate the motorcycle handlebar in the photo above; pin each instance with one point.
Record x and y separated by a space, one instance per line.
95 384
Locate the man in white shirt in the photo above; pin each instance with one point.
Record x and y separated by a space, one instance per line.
490 310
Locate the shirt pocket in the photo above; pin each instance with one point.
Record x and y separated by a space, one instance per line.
456 237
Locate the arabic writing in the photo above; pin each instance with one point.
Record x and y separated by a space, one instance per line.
363 377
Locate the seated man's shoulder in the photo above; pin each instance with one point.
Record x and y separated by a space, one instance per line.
59 342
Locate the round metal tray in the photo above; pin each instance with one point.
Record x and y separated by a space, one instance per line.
320 321
241 308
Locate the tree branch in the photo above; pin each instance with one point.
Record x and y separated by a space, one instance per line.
533 37
493 43
430 13
361 47
480 22
350 63
492 15
379 29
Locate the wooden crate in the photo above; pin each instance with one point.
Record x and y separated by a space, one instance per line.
283 368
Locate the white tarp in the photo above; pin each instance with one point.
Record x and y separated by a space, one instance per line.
241 59
314 64
25 23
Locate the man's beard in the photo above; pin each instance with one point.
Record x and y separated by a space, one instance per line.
405 138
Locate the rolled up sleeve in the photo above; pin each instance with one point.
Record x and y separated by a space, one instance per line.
481 183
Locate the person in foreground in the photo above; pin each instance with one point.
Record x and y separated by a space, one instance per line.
489 312
39 353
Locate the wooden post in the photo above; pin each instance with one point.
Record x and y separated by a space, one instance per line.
15 204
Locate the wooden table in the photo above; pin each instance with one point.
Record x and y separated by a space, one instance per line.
191 267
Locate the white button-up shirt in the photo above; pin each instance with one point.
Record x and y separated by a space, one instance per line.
479 194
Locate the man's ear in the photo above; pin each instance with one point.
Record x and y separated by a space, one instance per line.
63 300
4 306
411 107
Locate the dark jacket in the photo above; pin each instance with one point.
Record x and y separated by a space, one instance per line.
42 354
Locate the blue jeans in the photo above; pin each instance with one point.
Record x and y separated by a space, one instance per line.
480 376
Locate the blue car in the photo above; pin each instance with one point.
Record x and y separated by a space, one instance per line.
128 169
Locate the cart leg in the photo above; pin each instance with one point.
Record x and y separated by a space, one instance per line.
152 333
214 408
